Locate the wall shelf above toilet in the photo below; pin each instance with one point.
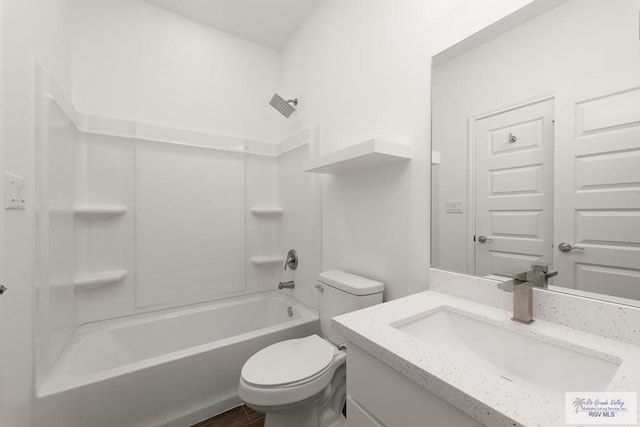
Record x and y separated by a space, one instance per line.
99 278
267 211
369 154
91 212
266 260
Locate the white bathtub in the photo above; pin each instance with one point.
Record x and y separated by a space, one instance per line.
171 368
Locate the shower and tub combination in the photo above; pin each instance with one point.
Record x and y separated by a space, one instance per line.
148 310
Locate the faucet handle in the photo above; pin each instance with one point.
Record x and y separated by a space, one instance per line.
292 260
506 286
541 265
518 279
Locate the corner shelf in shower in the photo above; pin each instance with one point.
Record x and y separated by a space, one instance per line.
267 211
99 278
91 212
267 260
369 154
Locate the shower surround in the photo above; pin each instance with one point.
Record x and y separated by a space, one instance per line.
136 218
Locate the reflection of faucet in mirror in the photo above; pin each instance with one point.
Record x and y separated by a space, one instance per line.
550 152
539 275
522 287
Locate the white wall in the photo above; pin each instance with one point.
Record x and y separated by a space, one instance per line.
361 70
578 40
455 20
136 61
29 28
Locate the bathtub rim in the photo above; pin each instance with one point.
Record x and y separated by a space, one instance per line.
52 385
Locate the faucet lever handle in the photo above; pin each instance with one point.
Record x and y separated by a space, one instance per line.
541 265
506 286
292 260
520 277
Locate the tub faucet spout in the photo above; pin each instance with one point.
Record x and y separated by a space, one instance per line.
287 285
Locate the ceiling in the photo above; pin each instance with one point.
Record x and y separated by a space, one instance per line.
266 22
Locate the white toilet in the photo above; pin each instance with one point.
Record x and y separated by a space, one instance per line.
302 382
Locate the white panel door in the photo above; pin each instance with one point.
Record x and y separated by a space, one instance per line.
514 189
597 206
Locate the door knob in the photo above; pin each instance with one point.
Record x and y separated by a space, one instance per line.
566 247
3 289
483 239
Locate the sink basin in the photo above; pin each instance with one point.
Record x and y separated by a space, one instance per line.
530 362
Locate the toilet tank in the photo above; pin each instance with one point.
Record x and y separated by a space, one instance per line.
342 293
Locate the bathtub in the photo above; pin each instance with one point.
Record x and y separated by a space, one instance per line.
165 369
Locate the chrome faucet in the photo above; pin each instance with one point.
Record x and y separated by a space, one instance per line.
287 285
522 287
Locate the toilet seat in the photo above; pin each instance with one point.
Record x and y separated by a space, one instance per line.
281 388
288 362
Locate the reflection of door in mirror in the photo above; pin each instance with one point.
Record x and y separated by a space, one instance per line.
513 188
582 58
597 208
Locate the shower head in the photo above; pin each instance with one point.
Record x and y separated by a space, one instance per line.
286 108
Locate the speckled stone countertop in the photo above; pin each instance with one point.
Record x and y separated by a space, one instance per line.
471 388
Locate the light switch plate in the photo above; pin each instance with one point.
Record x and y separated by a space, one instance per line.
14 192
453 206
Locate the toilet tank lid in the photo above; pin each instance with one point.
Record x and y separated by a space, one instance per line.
351 283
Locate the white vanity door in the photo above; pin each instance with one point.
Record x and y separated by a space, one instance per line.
514 189
597 174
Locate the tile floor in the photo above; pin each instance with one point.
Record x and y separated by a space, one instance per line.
242 416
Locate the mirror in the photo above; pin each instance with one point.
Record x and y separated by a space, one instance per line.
536 141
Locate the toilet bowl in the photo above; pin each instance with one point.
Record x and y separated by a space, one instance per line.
316 380
302 382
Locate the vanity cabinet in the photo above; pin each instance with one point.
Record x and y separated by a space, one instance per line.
379 396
